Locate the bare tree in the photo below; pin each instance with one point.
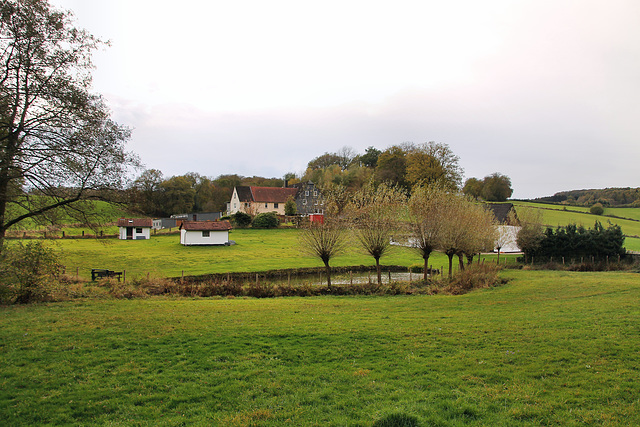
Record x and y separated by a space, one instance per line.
425 221
375 217
324 241
58 145
467 228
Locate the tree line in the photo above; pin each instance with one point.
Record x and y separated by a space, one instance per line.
607 197
571 242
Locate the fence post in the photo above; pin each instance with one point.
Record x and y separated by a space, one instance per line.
124 276
409 274
389 275
351 276
77 272
182 277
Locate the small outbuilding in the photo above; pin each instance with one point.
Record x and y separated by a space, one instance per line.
135 228
205 233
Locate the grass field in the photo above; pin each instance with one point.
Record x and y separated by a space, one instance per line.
548 348
555 215
256 250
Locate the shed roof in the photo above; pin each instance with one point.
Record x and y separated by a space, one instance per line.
206 226
135 222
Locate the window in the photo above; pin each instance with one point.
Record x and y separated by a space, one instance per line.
139 230
275 206
266 205
205 233
315 202
304 201
306 193
315 193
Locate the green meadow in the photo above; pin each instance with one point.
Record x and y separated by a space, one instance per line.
547 348
256 250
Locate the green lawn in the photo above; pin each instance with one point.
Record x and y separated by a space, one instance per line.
256 250
548 348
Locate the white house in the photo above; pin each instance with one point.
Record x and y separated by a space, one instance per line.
255 200
135 228
205 233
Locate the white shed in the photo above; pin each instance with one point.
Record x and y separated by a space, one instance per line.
135 228
205 233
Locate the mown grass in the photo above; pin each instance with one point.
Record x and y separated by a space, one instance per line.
256 250
549 348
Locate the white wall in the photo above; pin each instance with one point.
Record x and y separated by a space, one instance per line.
193 237
145 234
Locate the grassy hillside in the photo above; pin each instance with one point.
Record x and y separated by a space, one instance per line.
548 348
102 211
554 215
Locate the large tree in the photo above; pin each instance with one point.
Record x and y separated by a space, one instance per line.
58 145
434 163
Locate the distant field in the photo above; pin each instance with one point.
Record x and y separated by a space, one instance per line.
548 348
555 215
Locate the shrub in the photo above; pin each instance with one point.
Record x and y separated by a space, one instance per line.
241 219
266 220
597 209
28 272
475 276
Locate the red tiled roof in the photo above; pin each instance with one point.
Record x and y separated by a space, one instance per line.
206 226
135 222
272 194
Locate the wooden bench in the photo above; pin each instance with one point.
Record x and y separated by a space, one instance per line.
101 273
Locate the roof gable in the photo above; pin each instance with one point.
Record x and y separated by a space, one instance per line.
135 222
500 211
244 194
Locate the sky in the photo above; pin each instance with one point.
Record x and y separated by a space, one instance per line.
546 92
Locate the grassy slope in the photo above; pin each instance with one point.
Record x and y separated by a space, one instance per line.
555 215
256 250
549 348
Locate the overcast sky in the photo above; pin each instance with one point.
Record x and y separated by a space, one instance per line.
545 92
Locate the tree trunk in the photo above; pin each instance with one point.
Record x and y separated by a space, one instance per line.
379 270
328 270
461 261
450 255
426 267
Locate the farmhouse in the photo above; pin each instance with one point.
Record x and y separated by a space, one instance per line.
255 200
134 228
205 233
